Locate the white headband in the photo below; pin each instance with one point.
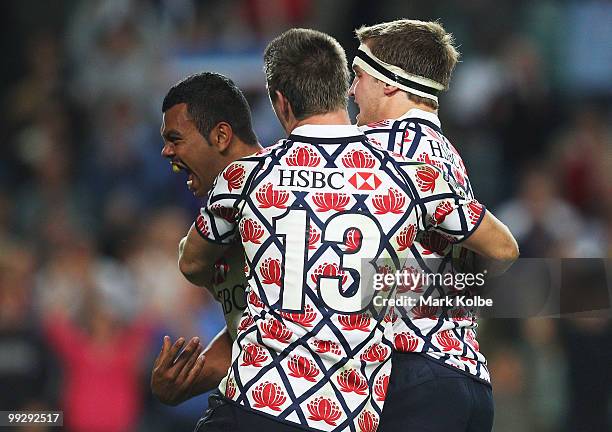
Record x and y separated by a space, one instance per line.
396 76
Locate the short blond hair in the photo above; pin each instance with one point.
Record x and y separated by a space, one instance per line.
309 68
421 48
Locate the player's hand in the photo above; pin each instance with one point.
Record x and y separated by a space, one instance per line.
174 379
464 260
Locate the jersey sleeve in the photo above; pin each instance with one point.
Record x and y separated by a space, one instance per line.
217 221
441 206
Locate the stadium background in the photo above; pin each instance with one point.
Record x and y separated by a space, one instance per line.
90 214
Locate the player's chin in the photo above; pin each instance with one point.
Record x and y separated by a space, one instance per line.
195 186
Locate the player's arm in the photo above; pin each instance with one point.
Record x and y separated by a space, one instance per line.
197 257
210 237
495 245
177 379
465 221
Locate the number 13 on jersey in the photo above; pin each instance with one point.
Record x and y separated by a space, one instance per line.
293 226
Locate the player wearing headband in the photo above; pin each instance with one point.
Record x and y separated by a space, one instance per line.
400 69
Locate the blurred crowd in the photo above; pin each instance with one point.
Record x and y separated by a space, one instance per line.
91 215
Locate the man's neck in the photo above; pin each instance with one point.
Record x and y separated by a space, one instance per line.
242 149
397 107
339 117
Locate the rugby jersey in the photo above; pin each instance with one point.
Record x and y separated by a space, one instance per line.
228 288
445 334
310 347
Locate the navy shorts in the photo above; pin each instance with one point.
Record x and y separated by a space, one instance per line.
225 416
426 396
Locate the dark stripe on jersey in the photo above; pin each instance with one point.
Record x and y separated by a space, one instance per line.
317 140
404 81
425 122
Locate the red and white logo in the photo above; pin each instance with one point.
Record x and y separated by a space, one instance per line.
365 181
368 421
351 380
313 237
447 341
326 201
324 409
234 175
474 211
470 338
274 329
380 387
328 269
358 159
406 342
304 157
303 318
406 237
271 271
426 177
353 240
355 322
268 197
391 316
375 353
253 355
324 346
246 322
301 367
459 177
392 202
202 225
268 394
253 299
251 231
442 210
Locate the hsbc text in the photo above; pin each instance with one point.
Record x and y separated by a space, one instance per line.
311 179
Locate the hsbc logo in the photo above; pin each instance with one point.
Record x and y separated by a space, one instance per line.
311 179
365 181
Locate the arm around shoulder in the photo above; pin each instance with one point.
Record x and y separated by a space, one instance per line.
197 257
494 241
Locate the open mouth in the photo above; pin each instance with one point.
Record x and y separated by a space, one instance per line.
178 166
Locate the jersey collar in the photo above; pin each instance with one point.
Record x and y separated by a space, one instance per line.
326 131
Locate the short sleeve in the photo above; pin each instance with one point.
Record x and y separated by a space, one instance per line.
217 221
443 208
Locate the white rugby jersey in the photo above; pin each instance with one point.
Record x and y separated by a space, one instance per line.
445 334
308 210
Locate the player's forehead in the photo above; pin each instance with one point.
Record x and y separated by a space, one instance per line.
176 119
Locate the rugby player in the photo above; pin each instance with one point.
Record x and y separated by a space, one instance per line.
400 68
278 354
206 125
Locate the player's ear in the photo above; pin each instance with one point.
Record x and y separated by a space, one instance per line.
283 110
390 90
221 136
283 105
